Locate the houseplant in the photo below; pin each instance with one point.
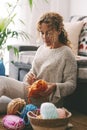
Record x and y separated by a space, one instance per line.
7 32
31 2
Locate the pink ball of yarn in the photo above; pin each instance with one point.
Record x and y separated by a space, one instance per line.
13 122
61 113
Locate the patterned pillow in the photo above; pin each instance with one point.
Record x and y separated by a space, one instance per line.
83 41
82 48
77 18
73 30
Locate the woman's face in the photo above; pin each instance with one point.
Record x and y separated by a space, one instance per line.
49 36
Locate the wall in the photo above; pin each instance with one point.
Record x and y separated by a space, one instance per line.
40 7
62 7
78 7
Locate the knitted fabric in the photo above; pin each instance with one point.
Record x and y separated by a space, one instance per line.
35 89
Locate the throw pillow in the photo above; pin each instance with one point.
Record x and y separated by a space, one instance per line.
83 41
75 18
73 29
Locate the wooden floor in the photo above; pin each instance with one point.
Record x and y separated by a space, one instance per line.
78 120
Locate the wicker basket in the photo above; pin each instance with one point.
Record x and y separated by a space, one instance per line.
48 124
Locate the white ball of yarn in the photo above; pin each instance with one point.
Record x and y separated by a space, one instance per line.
48 111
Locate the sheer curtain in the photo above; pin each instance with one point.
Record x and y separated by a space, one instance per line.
30 17
39 7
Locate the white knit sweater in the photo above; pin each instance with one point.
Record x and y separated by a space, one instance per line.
57 66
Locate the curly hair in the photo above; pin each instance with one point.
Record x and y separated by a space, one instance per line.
55 21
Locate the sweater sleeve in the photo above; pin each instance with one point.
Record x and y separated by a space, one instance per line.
68 84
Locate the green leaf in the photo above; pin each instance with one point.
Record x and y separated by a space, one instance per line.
9 47
24 35
2 24
16 51
30 3
22 21
14 33
46 1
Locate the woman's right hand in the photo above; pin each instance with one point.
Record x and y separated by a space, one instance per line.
30 78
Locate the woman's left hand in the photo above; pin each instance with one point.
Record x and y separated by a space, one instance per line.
50 88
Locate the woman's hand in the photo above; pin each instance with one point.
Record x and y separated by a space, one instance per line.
30 78
50 88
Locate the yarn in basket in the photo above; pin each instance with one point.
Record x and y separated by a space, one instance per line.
61 112
48 111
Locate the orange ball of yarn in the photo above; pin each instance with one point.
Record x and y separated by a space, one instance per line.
35 89
15 106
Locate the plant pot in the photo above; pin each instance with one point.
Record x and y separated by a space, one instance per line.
2 68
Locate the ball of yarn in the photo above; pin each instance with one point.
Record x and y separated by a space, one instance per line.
61 113
48 111
27 108
13 122
39 117
35 89
15 106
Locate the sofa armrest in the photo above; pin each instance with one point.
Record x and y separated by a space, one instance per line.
19 70
22 62
21 65
27 48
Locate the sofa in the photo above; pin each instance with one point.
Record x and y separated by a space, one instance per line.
78 99
77 33
19 66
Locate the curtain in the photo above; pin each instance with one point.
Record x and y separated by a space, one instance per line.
40 7
30 17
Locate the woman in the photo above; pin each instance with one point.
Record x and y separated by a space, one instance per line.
54 62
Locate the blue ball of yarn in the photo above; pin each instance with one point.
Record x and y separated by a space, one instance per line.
27 108
48 111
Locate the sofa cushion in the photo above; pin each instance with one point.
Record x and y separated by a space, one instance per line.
82 50
20 69
4 100
78 18
73 29
82 67
26 56
82 73
83 41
